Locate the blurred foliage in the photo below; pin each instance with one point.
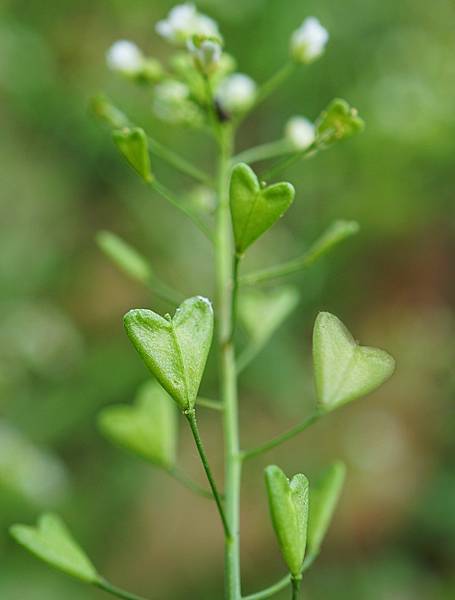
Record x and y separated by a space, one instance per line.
64 355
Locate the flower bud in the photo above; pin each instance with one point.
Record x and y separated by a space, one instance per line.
183 22
125 57
308 41
202 199
300 132
236 92
337 122
206 53
172 103
151 71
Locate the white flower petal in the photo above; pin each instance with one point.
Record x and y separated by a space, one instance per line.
183 22
300 132
309 40
124 56
236 92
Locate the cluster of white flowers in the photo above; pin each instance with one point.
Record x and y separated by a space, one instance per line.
183 22
186 27
125 57
309 40
236 92
300 132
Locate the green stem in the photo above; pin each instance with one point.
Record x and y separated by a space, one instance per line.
207 403
104 585
177 161
267 88
281 584
228 375
170 197
247 355
182 478
270 591
289 161
280 439
191 416
264 152
335 234
296 585
275 82
235 292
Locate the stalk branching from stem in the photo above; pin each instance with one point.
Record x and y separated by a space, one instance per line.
191 417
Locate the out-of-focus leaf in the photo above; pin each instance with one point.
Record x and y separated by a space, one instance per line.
149 428
51 541
325 494
263 312
127 258
28 471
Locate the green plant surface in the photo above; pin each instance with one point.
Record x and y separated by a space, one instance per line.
148 428
289 502
51 541
344 370
198 101
124 256
338 122
261 314
325 493
255 207
133 145
174 349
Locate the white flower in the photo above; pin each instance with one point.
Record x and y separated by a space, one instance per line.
207 54
300 132
309 40
236 92
183 22
125 57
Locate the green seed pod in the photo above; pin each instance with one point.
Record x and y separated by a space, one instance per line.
255 209
133 145
337 122
174 349
288 501
343 369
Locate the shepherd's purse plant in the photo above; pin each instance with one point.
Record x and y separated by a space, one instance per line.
200 89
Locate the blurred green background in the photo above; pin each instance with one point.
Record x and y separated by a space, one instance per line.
64 355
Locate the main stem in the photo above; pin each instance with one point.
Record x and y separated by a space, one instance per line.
296 585
228 375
